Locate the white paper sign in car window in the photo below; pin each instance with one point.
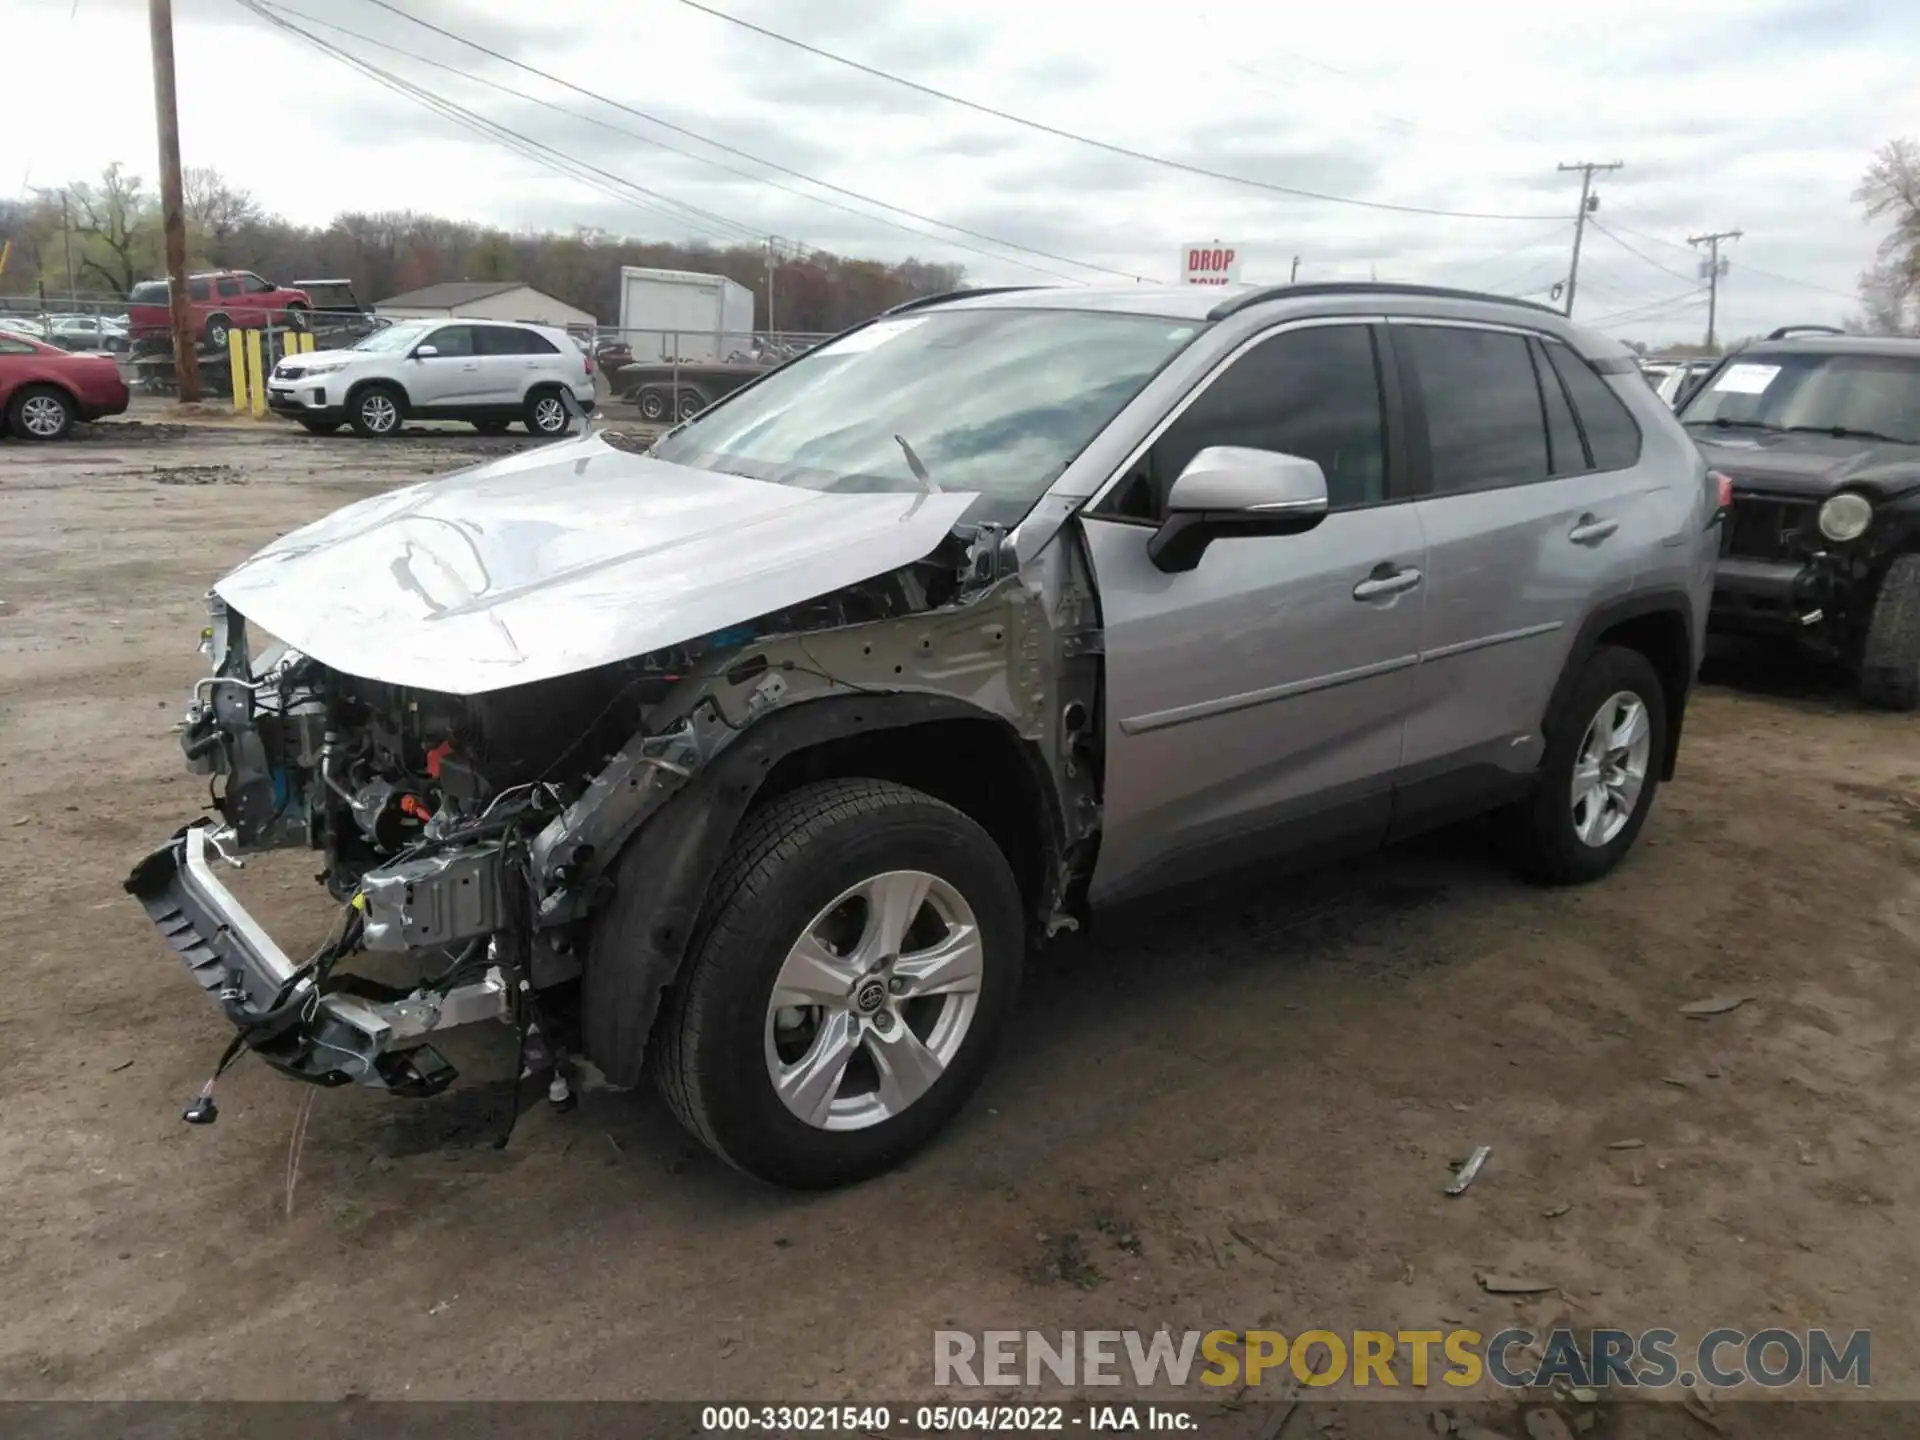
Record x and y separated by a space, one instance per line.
872 336
1746 379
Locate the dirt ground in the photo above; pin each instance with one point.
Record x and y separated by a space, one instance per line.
1235 1113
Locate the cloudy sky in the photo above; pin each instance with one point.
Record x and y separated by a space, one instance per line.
1757 115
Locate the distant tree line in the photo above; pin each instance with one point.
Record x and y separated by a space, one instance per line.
1890 287
111 228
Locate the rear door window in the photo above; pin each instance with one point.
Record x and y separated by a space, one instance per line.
229 286
506 340
1485 424
1613 438
198 290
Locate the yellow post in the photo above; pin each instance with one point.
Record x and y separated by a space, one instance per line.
306 340
237 357
256 377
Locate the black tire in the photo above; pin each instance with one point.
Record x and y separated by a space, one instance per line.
1890 658
373 420
320 427
789 861
217 329
40 412
297 317
492 427
692 402
1541 835
547 416
652 402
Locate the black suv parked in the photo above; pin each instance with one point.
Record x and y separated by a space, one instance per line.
1821 437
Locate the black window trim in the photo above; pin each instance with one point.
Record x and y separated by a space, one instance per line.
1396 481
1415 404
1543 372
1586 440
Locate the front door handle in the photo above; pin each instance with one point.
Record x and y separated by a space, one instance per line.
1591 530
1385 582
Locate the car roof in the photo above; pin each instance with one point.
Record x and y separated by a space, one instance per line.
1893 345
1192 302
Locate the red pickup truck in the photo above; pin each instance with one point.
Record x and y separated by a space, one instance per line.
222 301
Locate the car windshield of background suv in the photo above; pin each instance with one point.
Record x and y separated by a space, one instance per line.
997 402
1871 396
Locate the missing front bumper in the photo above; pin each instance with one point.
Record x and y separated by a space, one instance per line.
325 1039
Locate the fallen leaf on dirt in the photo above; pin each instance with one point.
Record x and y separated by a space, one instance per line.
1806 1153
1515 1285
1554 1212
127 1064
1713 1005
1673 1080
1545 1425
1626 1144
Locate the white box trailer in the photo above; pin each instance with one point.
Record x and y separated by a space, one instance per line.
669 314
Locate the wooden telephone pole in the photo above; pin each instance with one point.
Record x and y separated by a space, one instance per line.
1588 203
166 110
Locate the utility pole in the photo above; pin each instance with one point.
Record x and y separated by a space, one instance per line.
166 110
770 240
1713 267
1295 276
66 234
1588 202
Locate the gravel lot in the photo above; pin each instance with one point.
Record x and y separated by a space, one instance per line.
1234 1113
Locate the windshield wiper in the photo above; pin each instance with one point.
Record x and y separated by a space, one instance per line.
913 464
1848 432
1734 424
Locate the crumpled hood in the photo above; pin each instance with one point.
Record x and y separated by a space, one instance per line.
1811 465
563 558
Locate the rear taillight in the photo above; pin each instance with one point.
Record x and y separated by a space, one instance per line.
1723 488
586 366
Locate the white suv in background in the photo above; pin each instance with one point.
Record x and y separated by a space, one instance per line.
488 372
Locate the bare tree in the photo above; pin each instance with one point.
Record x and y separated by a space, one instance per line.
217 211
1890 190
114 218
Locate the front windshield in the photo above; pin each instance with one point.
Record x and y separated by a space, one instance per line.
1872 396
997 402
397 337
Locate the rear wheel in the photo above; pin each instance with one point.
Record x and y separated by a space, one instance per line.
40 412
547 414
1599 774
858 961
692 402
1890 659
375 412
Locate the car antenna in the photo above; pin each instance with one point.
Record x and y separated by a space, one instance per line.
913 464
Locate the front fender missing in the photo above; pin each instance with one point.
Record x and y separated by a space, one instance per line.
660 881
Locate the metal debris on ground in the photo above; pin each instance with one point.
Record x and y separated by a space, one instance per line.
1464 1176
1515 1285
1713 1005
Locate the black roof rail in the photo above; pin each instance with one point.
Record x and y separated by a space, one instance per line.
925 300
1363 287
1785 330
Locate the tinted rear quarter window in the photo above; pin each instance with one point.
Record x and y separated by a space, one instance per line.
1612 436
506 341
1484 421
1566 451
197 290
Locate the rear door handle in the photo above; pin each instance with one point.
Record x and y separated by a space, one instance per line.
1386 582
1591 530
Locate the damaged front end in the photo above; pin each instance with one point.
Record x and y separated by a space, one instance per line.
471 840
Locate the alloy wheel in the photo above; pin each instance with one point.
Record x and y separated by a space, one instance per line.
1611 769
874 1000
43 415
379 413
549 415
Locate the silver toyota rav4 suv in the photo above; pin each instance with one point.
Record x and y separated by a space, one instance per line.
760 759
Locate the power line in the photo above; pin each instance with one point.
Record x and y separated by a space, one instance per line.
1638 255
1652 310
1108 146
565 84
730 232
1754 269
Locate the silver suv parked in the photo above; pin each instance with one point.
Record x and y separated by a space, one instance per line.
762 758
488 372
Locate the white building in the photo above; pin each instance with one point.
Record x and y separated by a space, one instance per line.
484 300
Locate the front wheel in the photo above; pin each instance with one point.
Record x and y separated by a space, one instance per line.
297 317
375 413
653 404
219 327
859 960
1890 659
1602 766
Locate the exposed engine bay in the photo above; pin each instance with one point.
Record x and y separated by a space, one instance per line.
470 836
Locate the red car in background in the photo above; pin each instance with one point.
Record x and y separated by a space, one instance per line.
44 390
222 301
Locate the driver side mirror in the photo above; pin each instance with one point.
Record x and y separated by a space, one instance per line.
1229 490
425 352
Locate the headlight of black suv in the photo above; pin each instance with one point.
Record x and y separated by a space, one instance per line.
1845 516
